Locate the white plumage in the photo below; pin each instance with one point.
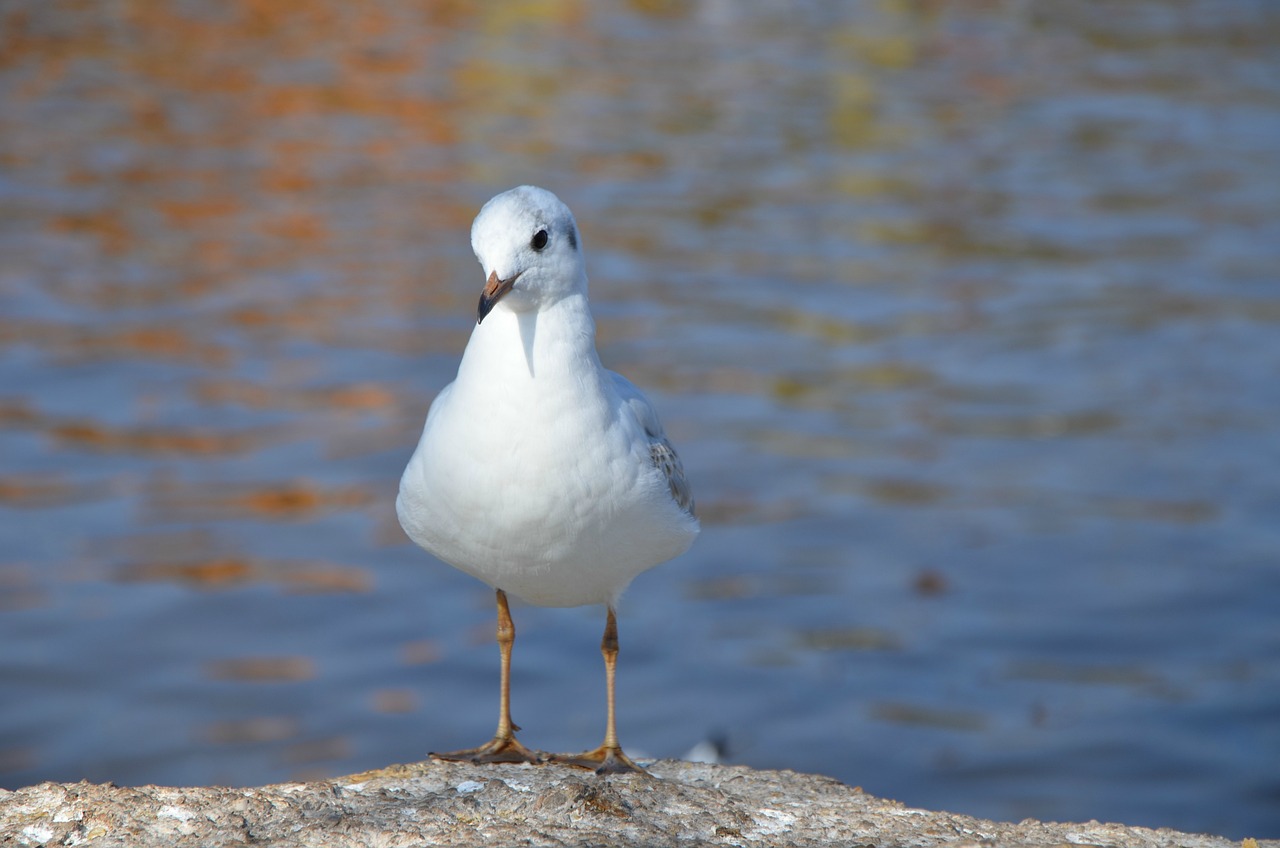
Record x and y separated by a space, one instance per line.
539 471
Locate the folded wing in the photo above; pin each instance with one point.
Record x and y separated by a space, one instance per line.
661 451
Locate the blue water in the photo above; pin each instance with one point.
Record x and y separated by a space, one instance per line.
965 319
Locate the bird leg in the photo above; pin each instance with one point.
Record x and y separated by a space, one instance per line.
608 758
504 747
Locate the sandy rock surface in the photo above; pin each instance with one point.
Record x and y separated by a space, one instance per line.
450 804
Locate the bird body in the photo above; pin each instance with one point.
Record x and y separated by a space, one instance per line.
538 471
535 473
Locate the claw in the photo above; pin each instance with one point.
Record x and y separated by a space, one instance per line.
498 750
603 760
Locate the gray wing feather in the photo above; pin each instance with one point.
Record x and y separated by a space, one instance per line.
661 451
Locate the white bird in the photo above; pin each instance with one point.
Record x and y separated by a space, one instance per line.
540 472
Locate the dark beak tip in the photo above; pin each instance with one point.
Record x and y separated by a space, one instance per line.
495 289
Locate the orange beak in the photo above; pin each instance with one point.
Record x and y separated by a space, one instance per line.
494 290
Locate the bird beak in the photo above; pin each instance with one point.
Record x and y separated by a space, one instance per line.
494 290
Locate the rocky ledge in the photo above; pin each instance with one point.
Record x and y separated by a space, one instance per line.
433 803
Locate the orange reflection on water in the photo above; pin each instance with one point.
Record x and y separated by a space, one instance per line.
420 652
17 759
96 343
361 397
310 751
207 196
395 701
88 435
228 572
172 499
42 492
19 591
937 717
262 669
251 730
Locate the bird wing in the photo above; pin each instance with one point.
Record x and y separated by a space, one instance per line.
661 451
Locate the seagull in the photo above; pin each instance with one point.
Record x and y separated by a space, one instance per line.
539 472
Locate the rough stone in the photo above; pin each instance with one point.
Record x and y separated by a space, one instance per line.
452 804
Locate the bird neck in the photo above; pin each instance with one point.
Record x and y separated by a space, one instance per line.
534 343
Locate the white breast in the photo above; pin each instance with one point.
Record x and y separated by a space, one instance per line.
534 476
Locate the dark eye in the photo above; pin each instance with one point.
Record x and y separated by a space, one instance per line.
539 240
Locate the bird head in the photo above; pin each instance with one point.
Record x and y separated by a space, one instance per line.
528 244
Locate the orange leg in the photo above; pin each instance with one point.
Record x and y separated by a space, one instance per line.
608 758
504 747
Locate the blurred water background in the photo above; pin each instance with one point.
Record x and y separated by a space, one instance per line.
965 317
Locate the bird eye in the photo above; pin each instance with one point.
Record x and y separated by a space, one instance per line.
539 240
